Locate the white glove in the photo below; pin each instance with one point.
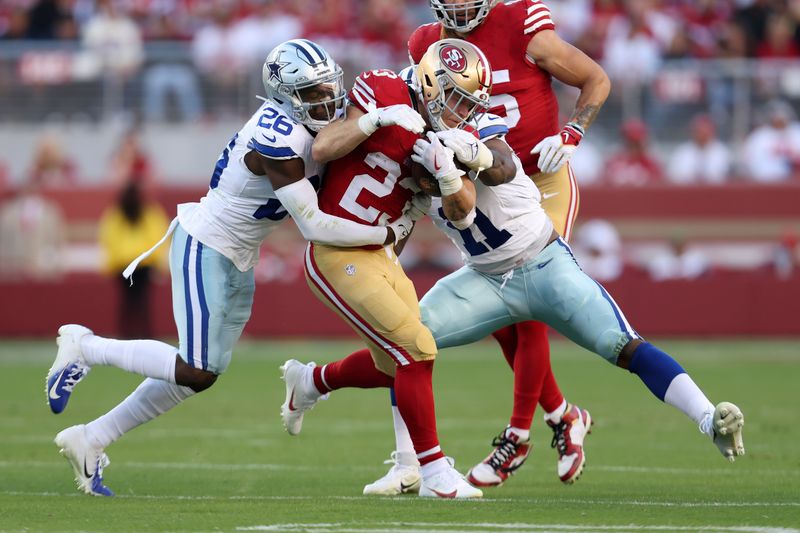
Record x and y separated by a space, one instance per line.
438 160
556 150
420 205
394 115
467 148
402 227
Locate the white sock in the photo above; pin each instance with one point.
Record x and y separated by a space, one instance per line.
556 415
406 455
434 467
686 396
523 434
152 359
150 399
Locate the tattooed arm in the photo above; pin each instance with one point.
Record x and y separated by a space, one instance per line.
571 66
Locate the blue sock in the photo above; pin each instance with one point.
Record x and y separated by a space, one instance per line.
392 397
655 368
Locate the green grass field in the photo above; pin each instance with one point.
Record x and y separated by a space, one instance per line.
223 462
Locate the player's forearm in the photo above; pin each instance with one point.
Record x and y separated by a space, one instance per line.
300 200
594 93
459 208
336 140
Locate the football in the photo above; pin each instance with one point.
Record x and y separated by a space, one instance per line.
425 180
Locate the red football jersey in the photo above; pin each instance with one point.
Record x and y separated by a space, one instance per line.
521 91
371 184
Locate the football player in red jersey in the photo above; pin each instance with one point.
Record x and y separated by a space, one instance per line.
370 153
525 52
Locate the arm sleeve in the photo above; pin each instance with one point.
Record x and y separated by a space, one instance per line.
300 200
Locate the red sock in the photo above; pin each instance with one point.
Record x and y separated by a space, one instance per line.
551 397
531 364
507 338
413 388
355 370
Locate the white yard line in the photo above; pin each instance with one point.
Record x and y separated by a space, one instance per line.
539 501
517 527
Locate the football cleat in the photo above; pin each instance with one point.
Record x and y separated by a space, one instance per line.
448 484
727 425
301 395
509 454
400 479
68 369
87 461
568 435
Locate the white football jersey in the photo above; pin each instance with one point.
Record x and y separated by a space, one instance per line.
240 208
510 226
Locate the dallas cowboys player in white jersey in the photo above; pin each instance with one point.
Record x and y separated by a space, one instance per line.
518 268
264 174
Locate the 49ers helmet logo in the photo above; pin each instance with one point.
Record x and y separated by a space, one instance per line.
454 58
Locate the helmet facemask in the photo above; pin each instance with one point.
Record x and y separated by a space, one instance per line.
463 16
319 102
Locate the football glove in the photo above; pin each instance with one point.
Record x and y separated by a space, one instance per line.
467 149
394 115
402 227
556 150
438 160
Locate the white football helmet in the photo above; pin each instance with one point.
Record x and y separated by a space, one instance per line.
455 15
301 78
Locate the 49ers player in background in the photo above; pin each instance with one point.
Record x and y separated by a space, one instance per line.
519 40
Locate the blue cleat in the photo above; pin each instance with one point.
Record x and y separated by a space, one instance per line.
68 369
87 461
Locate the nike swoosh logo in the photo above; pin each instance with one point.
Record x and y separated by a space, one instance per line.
547 195
445 494
54 389
86 470
436 165
542 265
291 402
270 139
404 487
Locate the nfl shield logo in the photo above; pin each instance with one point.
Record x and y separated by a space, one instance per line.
350 270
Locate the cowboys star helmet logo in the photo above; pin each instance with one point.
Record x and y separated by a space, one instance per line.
453 58
275 70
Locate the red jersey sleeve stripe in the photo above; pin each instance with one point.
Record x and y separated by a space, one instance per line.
546 24
365 88
364 100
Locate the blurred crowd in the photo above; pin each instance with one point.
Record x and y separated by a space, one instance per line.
606 29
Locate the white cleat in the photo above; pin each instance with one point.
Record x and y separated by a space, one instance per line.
727 424
301 395
400 479
87 461
448 484
68 369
